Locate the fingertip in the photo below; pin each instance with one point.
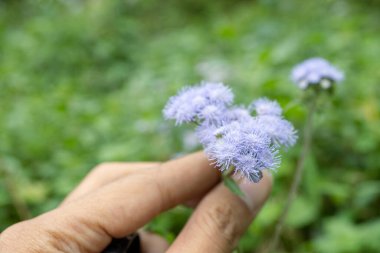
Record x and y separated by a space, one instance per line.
255 194
152 243
192 173
222 217
197 159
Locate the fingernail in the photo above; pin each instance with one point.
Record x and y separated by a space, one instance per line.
255 194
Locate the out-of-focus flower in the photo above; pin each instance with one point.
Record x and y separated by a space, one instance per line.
203 102
316 71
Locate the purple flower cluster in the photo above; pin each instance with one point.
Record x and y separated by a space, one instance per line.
194 104
232 138
316 71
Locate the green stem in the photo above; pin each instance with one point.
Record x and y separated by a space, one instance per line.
230 183
307 139
229 171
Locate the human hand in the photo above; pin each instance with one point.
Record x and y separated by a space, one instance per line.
117 199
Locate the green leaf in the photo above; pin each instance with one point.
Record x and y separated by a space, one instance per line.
233 186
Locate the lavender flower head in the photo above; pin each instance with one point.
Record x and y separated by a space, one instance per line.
206 132
270 120
236 113
245 149
281 131
203 102
264 106
316 71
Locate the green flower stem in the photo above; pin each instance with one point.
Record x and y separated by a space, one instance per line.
307 139
229 171
231 183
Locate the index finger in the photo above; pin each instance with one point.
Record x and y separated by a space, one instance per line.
125 205
106 173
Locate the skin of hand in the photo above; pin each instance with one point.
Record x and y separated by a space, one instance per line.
116 199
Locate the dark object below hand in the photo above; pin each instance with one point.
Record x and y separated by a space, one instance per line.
129 244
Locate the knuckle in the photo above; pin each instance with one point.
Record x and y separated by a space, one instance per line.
13 238
12 232
101 168
101 171
164 196
41 234
219 220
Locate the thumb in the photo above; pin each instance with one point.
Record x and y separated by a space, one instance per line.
221 218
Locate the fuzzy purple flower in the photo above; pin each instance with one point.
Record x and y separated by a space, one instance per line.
245 149
316 71
236 113
206 134
264 106
211 113
203 102
280 131
269 120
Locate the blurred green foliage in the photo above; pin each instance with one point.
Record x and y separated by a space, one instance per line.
83 82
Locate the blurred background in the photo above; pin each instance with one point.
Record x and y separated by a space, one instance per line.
84 82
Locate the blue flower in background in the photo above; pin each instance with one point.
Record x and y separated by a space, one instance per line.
316 71
203 102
